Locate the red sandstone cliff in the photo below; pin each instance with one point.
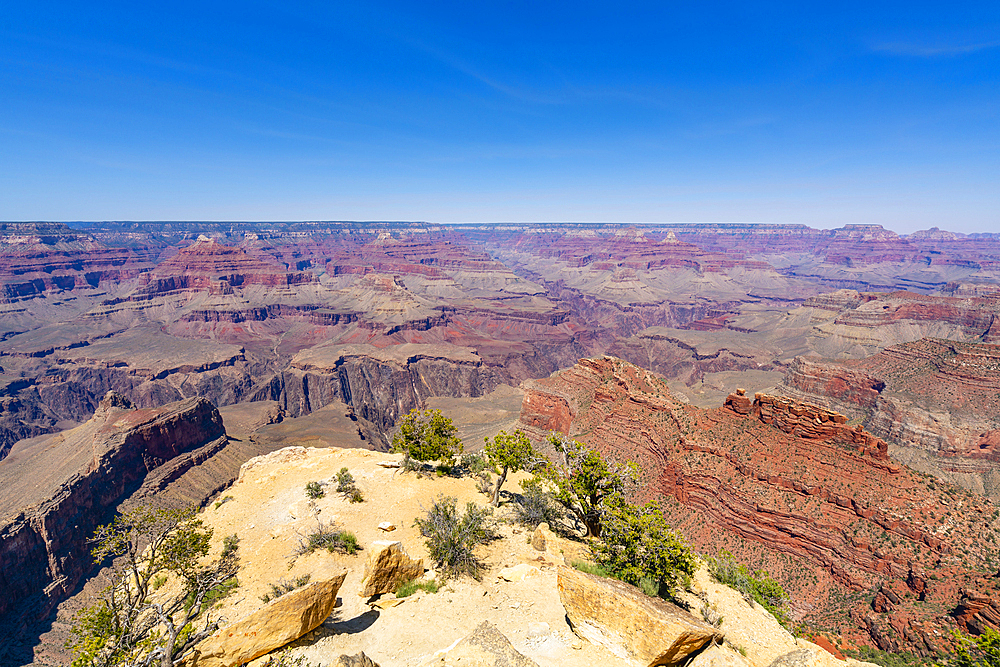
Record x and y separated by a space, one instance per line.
788 486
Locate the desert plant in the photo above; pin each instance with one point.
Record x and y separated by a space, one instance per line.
315 490
584 481
638 547
347 488
410 587
452 537
536 505
427 435
127 625
507 453
284 586
474 463
329 537
757 586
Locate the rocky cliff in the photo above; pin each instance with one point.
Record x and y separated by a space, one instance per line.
787 486
57 489
936 401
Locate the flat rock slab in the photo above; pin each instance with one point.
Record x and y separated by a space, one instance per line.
274 625
645 631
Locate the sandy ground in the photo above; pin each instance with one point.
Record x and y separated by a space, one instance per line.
269 511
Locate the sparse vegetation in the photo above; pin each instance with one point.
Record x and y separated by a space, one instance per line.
452 537
314 490
536 505
427 435
284 658
284 586
412 586
221 501
347 487
330 538
591 568
757 586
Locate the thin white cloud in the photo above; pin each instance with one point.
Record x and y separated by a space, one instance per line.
931 51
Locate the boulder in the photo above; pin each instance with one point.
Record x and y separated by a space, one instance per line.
633 626
387 526
719 656
485 647
542 537
387 567
356 660
272 626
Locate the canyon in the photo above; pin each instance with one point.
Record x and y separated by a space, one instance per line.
874 357
866 547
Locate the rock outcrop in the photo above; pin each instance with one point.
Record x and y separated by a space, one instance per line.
629 623
274 625
936 401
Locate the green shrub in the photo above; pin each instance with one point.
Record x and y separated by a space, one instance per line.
757 586
222 501
474 463
982 651
427 435
412 586
536 505
591 568
315 490
330 538
347 488
453 537
639 547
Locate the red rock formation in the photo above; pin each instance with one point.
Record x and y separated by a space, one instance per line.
939 396
216 268
785 485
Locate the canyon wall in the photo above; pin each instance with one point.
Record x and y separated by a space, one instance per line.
58 489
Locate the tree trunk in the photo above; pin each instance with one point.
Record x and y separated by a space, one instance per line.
496 490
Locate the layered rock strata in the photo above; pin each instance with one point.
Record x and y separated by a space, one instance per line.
784 485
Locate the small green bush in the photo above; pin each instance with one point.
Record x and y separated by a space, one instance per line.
757 586
347 488
452 537
474 463
315 490
330 538
410 587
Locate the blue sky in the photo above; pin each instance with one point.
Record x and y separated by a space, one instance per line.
473 111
